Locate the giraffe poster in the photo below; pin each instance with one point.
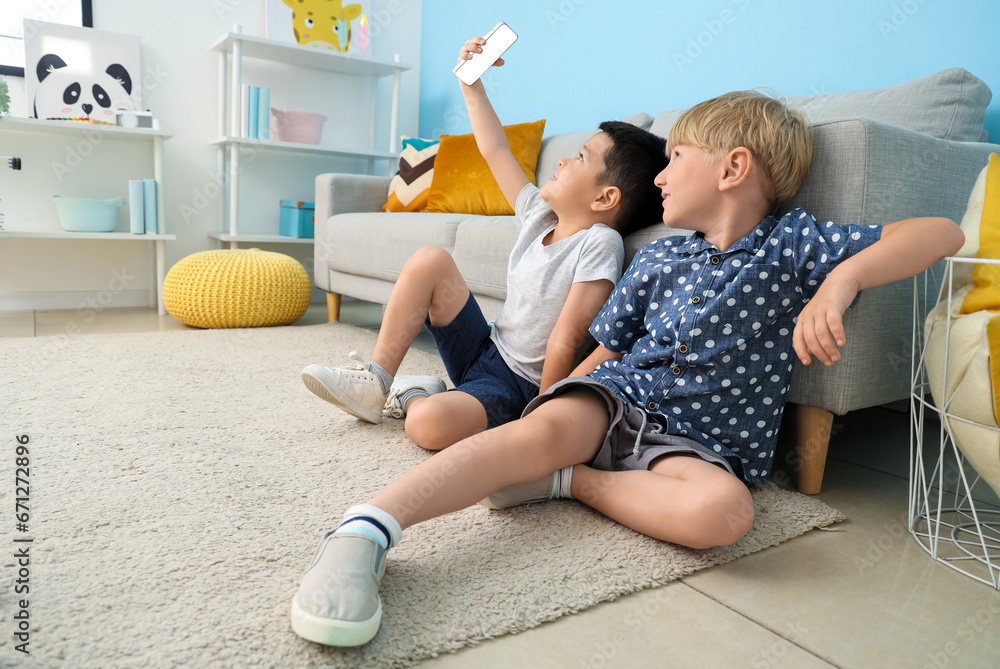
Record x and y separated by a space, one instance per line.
337 25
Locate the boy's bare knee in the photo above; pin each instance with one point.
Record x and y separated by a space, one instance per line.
542 434
731 505
429 260
423 427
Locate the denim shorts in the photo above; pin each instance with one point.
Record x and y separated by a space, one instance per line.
634 439
476 367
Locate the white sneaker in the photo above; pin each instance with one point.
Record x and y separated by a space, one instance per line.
337 603
403 382
354 389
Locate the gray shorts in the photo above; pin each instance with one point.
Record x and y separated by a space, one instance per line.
619 451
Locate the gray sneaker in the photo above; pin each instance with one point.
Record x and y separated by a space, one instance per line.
553 486
352 388
337 603
404 382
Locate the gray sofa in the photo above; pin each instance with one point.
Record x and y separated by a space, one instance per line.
909 150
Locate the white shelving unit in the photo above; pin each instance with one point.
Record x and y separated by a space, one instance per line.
16 124
944 516
232 48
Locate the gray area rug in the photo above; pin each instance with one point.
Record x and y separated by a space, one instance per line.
179 483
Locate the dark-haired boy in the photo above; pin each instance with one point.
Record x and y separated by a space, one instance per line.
567 258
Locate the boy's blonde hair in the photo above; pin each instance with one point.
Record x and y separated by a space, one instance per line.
778 137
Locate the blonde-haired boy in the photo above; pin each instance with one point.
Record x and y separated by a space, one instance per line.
778 137
681 402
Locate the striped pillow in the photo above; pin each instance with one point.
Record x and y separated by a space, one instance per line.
409 188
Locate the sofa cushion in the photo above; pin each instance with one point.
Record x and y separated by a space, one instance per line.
477 242
377 245
462 180
950 104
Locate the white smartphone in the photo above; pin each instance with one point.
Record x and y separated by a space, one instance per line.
498 41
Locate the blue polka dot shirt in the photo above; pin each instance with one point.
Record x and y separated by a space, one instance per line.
707 334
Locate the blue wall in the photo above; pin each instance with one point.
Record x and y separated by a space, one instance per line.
579 62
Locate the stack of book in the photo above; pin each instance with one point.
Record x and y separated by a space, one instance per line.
255 112
142 206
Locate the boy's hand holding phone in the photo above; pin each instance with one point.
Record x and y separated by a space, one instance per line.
479 53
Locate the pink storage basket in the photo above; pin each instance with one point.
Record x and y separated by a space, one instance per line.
296 126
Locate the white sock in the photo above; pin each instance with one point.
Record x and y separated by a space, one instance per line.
565 478
373 521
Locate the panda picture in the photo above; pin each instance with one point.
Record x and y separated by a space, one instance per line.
63 93
80 74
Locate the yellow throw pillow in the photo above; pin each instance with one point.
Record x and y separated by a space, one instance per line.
408 190
981 225
463 183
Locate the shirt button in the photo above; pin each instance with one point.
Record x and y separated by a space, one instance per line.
683 348
676 370
695 300
715 260
651 405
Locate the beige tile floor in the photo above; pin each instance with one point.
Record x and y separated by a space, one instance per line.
863 596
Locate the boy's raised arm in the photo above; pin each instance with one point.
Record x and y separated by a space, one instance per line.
905 249
488 131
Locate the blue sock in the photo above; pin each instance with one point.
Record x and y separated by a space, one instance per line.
373 521
384 377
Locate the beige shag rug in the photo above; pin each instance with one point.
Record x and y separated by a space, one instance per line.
179 483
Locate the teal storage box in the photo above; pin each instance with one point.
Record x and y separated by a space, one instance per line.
297 219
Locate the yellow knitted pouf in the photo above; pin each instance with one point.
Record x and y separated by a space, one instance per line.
237 288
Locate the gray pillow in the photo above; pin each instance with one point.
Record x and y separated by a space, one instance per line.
950 104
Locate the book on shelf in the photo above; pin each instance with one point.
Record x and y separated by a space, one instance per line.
255 112
149 206
244 107
137 225
142 206
264 113
252 112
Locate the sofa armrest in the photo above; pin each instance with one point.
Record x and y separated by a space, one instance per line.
870 173
349 193
342 194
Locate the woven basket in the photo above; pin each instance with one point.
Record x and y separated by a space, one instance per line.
236 288
296 126
81 214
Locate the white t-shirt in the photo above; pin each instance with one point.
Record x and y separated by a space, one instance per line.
539 278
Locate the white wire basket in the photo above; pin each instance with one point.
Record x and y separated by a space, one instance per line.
950 511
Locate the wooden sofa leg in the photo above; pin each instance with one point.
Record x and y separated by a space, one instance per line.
333 307
813 439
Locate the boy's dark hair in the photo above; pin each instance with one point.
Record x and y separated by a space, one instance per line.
635 158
